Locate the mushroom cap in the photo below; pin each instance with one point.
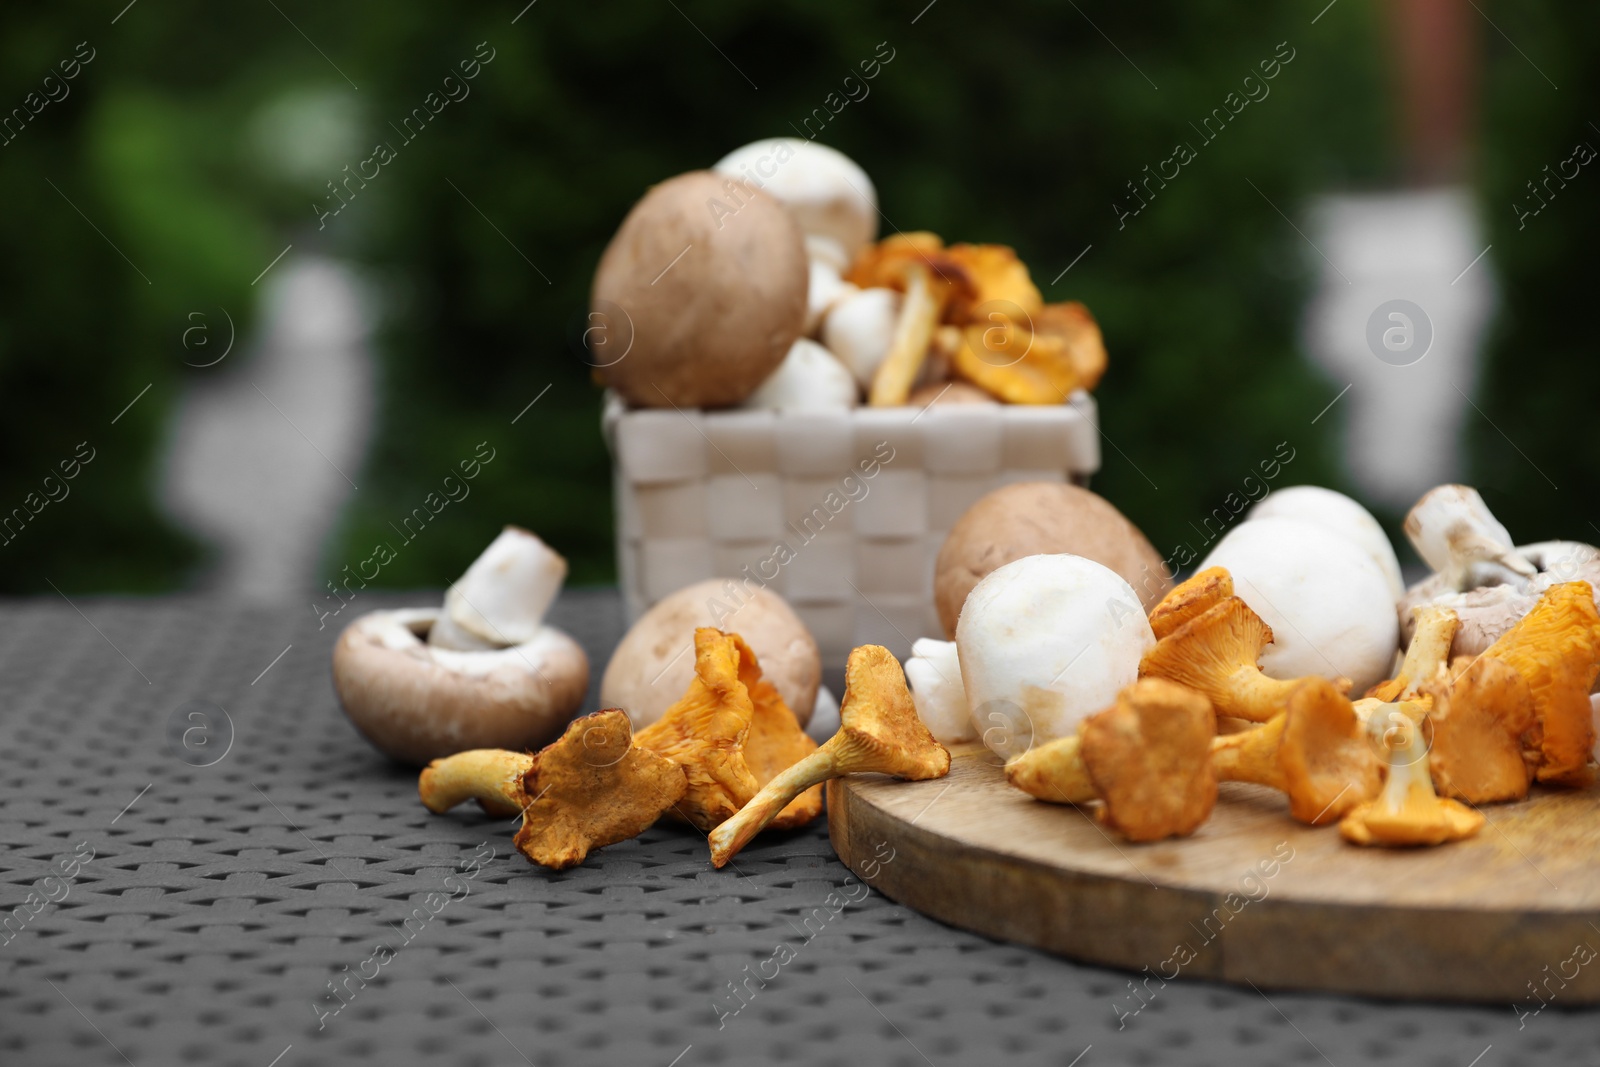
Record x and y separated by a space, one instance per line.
1327 762
823 189
934 674
654 662
1190 599
1036 518
1043 642
1339 514
1149 757
704 330
879 729
1327 602
705 733
593 787
859 328
417 703
1478 722
810 378
1497 598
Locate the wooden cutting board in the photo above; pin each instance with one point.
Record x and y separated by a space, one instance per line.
1510 916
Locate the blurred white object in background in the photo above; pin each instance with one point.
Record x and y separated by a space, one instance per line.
1410 375
266 446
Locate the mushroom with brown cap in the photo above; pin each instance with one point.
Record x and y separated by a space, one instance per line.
514 687
1042 518
704 286
1147 758
654 662
879 731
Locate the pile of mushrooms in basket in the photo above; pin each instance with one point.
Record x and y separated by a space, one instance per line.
1293 657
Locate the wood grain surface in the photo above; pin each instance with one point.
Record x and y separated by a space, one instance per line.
1511 915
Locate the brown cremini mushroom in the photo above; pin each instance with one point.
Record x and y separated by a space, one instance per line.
1316 752
879 730
1147 758
699 296
654 662
1556 649
1216 653
1042 518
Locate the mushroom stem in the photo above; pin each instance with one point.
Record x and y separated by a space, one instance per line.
913 332
491 776
1216 653
502 598
1054 771
1407 811
1428 654
1452 528
879 731
1250 756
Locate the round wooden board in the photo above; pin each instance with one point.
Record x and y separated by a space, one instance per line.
1251 897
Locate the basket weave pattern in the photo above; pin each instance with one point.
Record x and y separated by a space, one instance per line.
841 513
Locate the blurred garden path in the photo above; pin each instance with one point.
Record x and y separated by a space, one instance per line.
266 447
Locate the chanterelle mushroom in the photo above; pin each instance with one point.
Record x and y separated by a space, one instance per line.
1317 752
1189 599
879 731
1216 653
1148 758
1556 649
1478 723
1407 811
497 678
731 732
588 789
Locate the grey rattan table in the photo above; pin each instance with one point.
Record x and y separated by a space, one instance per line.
167 906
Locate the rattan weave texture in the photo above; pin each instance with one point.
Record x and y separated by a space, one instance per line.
221 900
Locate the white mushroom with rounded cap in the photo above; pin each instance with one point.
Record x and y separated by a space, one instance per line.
1045 641
483 672
824 190
934 674
808 379
1339 514
1326 600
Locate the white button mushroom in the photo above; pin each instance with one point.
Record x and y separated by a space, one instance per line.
859 330
827 289
1339 514
1326 600
1043 642
509 681
825 191
808 379
934 674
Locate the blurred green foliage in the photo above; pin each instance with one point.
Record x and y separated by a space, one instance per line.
203 138
1530 447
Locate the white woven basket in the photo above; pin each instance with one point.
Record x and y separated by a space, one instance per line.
841 513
